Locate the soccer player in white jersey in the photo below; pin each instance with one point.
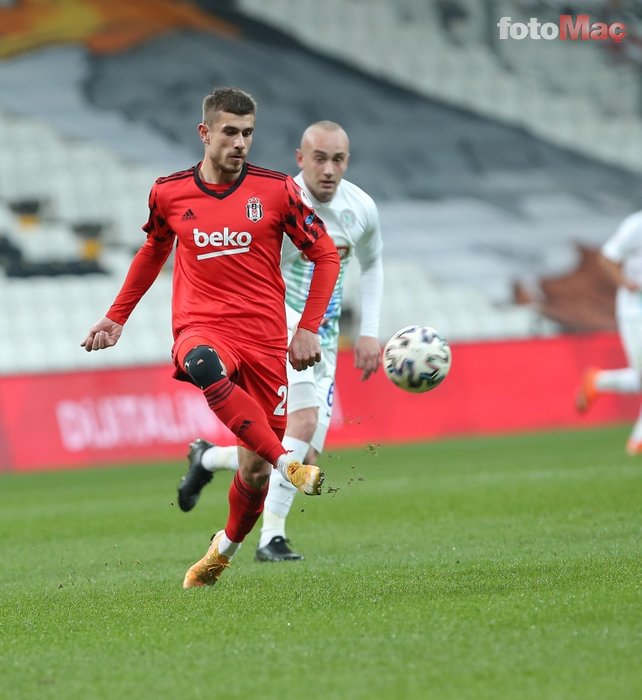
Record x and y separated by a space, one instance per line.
621 257
352 220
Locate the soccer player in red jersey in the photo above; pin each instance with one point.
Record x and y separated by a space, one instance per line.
226 218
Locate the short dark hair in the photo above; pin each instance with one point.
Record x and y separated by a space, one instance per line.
227 99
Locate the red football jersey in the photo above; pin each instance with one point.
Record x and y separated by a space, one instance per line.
228 250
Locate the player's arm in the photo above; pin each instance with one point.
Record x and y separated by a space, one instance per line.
615 272
618 247
308 233
305 349
367 352
144 269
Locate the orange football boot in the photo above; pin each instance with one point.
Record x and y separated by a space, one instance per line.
588 391
308 478
633 447
207 570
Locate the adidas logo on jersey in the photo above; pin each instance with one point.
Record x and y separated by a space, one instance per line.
189 214
232 242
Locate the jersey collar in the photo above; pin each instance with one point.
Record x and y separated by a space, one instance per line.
219 195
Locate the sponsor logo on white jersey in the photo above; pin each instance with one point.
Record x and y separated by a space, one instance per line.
348 218
229 242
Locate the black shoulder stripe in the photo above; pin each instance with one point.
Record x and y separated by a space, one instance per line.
265 172
179 175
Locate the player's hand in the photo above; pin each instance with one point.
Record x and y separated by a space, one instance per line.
367 355
304 350
103 334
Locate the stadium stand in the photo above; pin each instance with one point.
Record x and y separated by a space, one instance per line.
582 95
471 198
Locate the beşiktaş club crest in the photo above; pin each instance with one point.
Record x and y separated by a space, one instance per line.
254 209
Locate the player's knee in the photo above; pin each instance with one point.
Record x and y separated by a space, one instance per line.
204 366
302 423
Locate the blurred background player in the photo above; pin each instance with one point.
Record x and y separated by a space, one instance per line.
621 257
228 218
352 220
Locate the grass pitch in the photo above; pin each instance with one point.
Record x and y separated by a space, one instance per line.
475 568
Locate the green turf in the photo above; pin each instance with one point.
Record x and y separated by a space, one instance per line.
477 568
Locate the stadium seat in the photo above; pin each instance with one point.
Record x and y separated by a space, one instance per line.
454 238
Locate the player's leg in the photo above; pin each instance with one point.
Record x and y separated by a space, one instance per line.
218 457
302 411
207 367
204 459
273 541
246 497
274 544
249 487
631 335
626 380
213 458
325 397
309 413
233 406
242 413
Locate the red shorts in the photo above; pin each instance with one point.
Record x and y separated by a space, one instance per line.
261 374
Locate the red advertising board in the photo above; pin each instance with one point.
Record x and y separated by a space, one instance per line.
77 419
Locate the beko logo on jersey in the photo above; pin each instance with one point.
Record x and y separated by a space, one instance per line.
233 242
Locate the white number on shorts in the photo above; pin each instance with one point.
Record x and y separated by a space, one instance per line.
282 391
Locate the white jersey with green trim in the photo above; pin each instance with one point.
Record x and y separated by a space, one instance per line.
352 220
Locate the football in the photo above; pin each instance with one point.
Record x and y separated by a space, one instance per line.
417 359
